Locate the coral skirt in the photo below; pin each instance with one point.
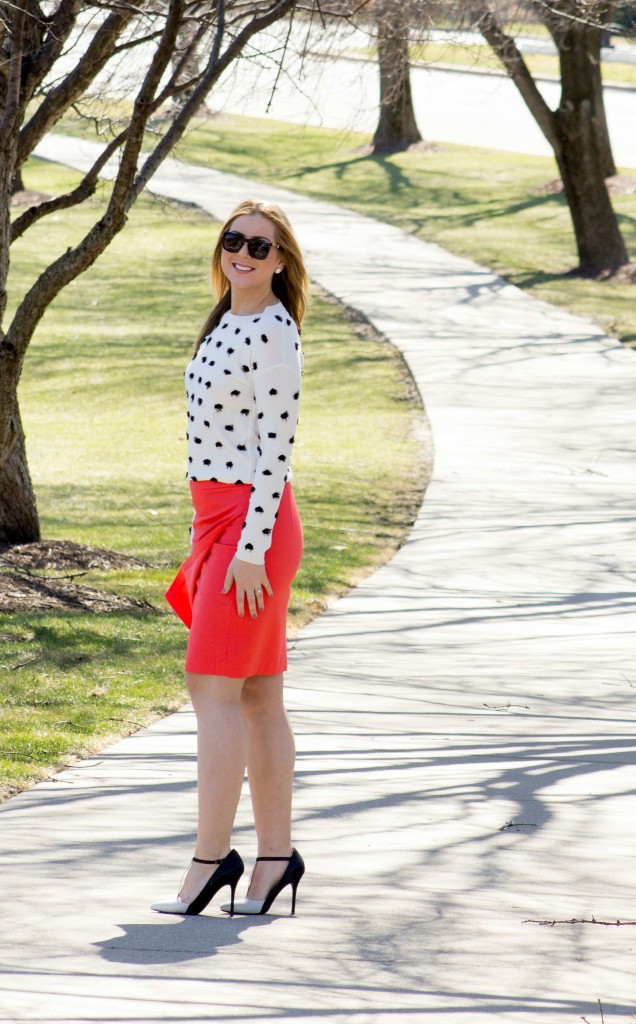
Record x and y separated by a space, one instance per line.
221 642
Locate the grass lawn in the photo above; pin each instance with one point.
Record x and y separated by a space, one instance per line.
481 57
104 411
490 206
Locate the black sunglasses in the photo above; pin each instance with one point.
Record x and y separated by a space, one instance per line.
257 247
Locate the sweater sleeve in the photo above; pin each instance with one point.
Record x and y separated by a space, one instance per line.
276 394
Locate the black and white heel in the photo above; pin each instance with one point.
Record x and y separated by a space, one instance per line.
291 876
228 872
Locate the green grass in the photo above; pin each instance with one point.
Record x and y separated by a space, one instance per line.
102 403
481 57
479 203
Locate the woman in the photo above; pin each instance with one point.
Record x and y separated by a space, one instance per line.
243 387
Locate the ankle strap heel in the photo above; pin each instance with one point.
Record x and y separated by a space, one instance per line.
291 877
228 872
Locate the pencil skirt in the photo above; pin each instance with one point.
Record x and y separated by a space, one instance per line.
221 642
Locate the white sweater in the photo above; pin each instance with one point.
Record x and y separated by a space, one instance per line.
243 389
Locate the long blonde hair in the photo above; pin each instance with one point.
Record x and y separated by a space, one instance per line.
291 286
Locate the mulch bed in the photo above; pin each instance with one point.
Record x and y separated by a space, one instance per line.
618 185
42 577
27 198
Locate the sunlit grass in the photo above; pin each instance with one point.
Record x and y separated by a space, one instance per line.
481 57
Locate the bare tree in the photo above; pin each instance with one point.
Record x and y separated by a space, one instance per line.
577 129
38 84
397 128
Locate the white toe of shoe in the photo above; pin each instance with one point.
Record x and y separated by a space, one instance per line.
170 906
244 907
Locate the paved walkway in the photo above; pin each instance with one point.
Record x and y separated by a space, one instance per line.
465 718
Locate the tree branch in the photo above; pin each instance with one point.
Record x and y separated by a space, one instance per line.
8 132
132 43
58 31
14 78
215 68
281 61
129 182
506 50
77 259
59 99
83 191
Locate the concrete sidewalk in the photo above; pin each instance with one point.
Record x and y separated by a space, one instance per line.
465 718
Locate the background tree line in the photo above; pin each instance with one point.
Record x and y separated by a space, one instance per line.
576 130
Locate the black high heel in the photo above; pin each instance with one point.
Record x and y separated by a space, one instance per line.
228 872
291 876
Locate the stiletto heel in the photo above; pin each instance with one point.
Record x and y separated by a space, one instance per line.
291 876
294 888
232 897
228 872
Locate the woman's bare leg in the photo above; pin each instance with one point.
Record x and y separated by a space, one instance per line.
221 760
271 755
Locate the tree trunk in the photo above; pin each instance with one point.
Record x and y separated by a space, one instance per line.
599 242
579 48
609 167
19 522
583 152
17 185
397 128
577 131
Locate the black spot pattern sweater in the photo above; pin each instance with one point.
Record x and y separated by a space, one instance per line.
243 390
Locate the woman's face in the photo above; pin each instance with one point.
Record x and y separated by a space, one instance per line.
243 271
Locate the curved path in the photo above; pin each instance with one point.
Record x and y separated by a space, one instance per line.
465 718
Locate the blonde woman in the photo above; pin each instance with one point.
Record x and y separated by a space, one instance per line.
243 390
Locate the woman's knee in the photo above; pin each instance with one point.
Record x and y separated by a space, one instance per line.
262 696
213 689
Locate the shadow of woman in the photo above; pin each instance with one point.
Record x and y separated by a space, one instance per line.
176 940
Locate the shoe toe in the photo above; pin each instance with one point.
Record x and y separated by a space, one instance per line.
170 906
244 907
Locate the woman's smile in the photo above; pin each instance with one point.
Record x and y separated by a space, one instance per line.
242 268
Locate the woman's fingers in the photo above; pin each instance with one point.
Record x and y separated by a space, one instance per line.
229 577
251 603
251 585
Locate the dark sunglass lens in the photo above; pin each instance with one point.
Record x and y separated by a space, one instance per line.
233 241
258 248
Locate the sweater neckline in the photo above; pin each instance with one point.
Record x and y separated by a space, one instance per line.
248 316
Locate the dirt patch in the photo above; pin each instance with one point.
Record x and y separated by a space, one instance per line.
622 185
618 185
415 147
27 198
43 576
624 275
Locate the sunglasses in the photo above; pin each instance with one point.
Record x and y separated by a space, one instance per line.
258 248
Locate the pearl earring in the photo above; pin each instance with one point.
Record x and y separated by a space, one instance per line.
278 270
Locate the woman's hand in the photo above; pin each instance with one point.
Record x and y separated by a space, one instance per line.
251 580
